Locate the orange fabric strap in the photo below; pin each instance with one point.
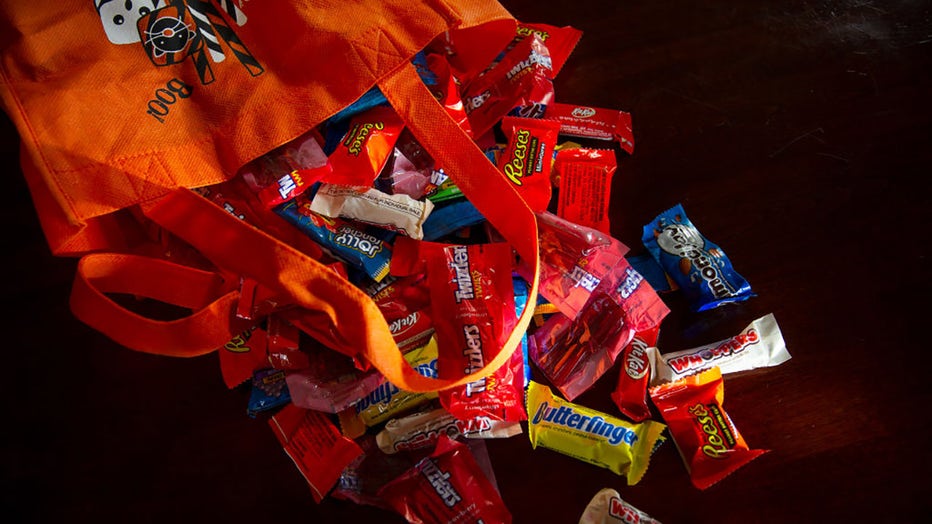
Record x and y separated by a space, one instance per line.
334 310
207 328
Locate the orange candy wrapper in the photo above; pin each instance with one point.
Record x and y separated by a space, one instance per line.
708 441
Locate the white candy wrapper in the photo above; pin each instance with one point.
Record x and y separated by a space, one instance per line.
399 213
421 430
759 345
607 507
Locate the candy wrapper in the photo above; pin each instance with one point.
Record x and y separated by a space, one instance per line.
593 122
574 353
366 248
585 180
699 267
399 213
331 383
471 289
243 355
527 160
269 391
705 436
630 393
315 445
590 436
607 507
448 487
759 345
365 148
422 430
573 261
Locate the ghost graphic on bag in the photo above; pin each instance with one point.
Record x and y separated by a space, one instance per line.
173 30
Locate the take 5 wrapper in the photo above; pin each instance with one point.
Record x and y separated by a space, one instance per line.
589 435
758 345
708 441
445 488
471 290
699 267
607 507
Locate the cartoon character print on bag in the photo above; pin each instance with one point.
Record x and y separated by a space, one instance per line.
173 30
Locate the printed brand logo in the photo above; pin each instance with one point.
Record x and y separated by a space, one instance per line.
288 184
461 275
583 279
718 435
583 112
622 511
448 426
700 359
474 358
357 136
358 241
172 31
386 391
533 59
476 102
528 31
440 481
632 280
237 344
635 363
523 161
686 242
400 326
568 417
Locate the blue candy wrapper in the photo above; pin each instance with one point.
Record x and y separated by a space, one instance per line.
699 267
269 391
448 219
366 248
651 271
521 296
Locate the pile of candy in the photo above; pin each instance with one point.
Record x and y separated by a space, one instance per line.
361 194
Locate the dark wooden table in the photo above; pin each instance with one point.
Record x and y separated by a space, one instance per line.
797 136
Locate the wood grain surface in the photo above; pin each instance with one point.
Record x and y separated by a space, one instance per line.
796 134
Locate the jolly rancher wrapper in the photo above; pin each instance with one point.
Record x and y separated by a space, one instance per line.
590 436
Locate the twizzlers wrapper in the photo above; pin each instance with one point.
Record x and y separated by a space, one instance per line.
707 439
526 162
471 290
699 267
759 345
448 487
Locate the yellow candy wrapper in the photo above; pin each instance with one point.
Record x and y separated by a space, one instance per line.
589 435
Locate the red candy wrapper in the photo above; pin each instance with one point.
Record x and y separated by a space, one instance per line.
585 182
707 439
560 41
523 79
448 487
574 353
573 261
368 144
243 355
315 445
527 161
630 394
593 122
471 290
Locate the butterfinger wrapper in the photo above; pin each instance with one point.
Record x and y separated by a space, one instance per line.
589 435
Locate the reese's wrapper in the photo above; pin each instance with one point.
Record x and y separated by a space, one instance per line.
707 439
589 435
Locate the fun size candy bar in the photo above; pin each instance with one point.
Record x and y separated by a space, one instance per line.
707 439
422 430
370 141
759 345
399 213
448 487
699 267
367 248
590 436
630 393
593 122
607 507
527 160
585 181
